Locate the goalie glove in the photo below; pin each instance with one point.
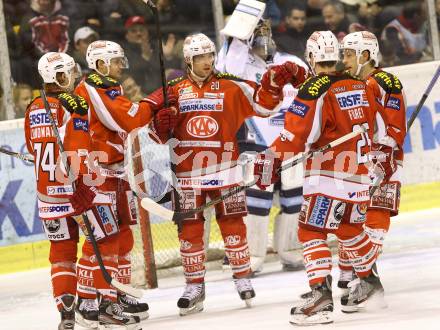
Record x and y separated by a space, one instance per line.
82 198
381 162
266 169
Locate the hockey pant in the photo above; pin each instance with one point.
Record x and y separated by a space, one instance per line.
320 216
376 226
63 235
259 204
229 215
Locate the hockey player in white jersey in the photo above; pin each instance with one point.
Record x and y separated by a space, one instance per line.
249 59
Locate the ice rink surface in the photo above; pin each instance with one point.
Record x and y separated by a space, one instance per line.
409 269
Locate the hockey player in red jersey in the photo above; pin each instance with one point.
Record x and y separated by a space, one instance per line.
56 204
212 107
328 106
112 117
360 57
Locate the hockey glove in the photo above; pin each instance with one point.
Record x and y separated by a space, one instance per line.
156 101
266 169
299 74
82 198
165 120
381 162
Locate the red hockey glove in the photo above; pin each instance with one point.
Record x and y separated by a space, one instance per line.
82 198
165 120
299 74
156 101
381 161
266 168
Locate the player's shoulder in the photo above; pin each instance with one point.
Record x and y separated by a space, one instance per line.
388 81
99 81
227 76
176 81
73 103
314 87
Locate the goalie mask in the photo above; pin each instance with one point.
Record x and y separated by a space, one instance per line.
360 42
52 63
196 45
322 46
261 42
105 51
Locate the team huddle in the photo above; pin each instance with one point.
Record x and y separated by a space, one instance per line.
316 105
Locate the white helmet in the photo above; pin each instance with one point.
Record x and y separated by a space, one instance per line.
323 46
197 44
51 63
104 50
360 41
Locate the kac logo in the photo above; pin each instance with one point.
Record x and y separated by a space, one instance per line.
202 127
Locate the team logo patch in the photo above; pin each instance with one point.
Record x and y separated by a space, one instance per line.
185 245
80 124
320 212
232 240
113 93
352 99
185 90
202 127
393 103
52 225
298 108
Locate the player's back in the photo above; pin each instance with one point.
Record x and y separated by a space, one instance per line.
70 115
326 108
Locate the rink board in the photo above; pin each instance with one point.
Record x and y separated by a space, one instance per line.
20 228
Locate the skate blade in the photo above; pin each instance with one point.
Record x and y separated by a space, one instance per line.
373 303
119 326
198 307
85 323
248 303
317 318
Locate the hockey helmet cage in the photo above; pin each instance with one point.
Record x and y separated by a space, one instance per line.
104 50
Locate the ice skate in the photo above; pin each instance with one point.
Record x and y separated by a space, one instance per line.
86 313
292 267
133 307
245 290
364 293
112 316
345 277
67 313
192 299
317 309
308 295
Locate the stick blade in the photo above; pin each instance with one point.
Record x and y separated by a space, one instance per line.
152 207
137 293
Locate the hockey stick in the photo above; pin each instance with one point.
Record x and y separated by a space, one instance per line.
411 120
155 12
178 216
118 285
24 157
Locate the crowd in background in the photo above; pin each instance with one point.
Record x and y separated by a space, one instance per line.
35 27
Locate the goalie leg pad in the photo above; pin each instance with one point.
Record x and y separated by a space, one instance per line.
286 242
192 250
233 231
257 228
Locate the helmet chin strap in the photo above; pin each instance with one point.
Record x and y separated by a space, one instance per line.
195 75
108 69
64 86
359 65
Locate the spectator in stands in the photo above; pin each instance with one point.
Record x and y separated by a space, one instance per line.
293 34
131 90
22 96
405 34
82 38
142 58
335 19
43 29
374 16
